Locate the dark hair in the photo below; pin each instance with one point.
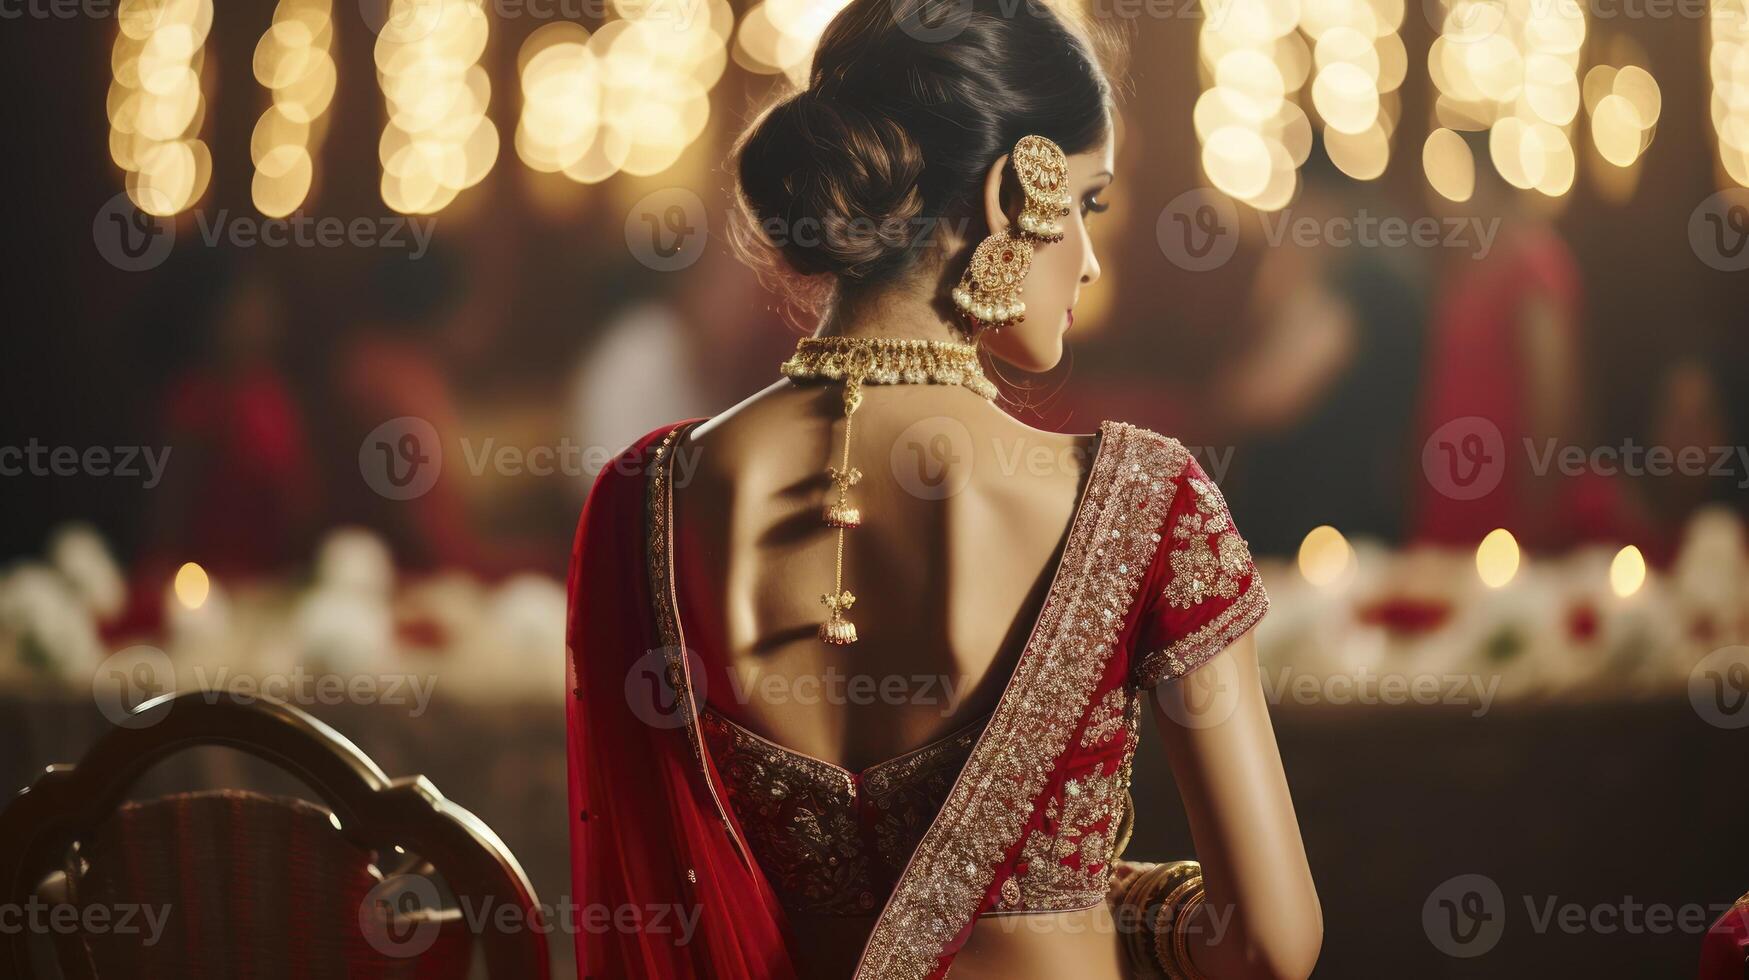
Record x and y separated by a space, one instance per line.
908 103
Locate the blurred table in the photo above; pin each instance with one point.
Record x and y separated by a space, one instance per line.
1595 805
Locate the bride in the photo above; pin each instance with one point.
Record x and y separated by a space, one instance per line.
858 666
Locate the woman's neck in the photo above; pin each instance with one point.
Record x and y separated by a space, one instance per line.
891 315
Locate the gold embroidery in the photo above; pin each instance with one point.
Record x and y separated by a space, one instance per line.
1111 541
659 555
810 824
1065 865
1200 572
1107 719
1189 651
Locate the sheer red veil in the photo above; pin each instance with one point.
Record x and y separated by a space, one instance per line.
660 888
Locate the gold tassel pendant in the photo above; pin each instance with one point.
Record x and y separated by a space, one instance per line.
857 361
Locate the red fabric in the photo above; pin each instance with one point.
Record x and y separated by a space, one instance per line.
1199 543
1479 365
250 500
1724 951
641 817
642 810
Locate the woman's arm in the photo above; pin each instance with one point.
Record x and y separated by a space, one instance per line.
1260 918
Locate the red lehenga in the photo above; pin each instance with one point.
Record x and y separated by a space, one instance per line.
1153 580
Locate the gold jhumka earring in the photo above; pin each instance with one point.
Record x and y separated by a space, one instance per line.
868 360
988 294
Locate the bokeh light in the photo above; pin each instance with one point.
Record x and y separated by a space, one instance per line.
1257 56
780 36
191 586
1727 57
293 62
629 98
1497 558
1627 572
1509 69
1325 556
156 105
438 141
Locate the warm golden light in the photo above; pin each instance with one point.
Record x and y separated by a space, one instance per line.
1257 55
292 61
1510 68
1497 558
1624 104
1450 167
780 36
191 586
630 97
155 105
438 141
1728 67
1325 556
1627 572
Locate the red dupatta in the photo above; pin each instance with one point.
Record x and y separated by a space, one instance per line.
1152 581
661 887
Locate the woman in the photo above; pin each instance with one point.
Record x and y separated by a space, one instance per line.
861 699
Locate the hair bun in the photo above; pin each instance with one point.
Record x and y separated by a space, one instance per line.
833 184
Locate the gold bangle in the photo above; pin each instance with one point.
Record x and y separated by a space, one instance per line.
1168 923
1132 920
1137 904
1181 933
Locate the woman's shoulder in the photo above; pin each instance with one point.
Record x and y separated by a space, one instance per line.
632 462
1141 450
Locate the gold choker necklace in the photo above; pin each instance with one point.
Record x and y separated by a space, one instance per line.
865 360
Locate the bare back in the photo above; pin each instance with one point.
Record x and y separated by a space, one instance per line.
965 511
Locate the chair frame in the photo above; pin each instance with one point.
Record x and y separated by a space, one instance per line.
67 803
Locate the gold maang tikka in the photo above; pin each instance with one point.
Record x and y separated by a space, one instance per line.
870 360
988 294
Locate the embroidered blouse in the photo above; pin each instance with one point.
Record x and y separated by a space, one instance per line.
1022 811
